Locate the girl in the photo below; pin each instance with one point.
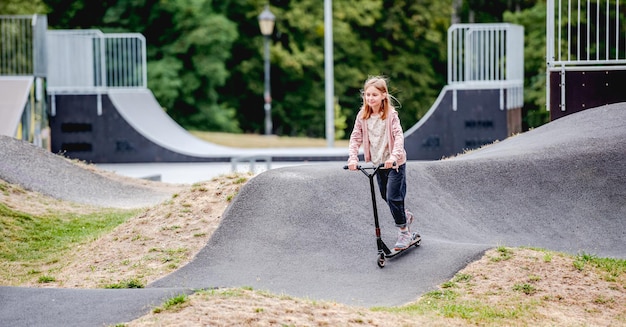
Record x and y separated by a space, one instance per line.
377 127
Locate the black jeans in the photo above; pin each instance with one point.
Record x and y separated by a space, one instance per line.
392 185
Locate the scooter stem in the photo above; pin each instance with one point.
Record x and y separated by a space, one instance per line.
382 247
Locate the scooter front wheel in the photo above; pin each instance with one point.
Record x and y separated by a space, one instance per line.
381 260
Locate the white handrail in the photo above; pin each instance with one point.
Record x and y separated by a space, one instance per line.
591 46
89 61
588 34
487 56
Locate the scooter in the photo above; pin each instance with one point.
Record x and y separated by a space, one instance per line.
383 251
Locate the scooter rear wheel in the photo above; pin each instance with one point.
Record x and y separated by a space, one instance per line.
416 235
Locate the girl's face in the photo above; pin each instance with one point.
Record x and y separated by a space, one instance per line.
374 97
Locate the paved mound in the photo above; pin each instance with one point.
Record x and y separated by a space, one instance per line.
38 170
307 231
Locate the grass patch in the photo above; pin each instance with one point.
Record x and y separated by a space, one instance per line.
446 304
462 278
130 283
46 279
613 268
174 303
28 242
547 257
504 253
526 288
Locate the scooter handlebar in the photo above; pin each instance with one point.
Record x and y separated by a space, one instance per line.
359 167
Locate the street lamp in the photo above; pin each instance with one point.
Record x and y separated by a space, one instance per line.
266 24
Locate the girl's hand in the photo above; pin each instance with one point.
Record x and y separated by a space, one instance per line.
352 165
389 164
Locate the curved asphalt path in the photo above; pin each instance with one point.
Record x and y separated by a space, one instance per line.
307 231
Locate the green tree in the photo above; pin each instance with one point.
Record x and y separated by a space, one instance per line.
340 122
76 14
300 57
411 41
20 7
490 11
399 39
188 44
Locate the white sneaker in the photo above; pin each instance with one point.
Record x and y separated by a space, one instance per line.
404 240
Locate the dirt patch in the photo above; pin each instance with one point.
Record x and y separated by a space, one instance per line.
527 288
154 243
557 290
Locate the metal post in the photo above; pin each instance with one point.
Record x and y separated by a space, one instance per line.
549 47
267 94
329 73
266 25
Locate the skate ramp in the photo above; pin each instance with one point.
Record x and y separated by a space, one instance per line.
308 231
142 111
460 119
129 126
14 92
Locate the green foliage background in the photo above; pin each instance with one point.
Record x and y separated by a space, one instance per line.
205 57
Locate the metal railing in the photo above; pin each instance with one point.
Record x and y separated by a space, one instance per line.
22 45
487 56
89 61
584 33
251 160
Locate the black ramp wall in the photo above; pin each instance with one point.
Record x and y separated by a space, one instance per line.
445 132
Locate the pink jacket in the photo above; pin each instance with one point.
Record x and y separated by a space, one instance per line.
359 137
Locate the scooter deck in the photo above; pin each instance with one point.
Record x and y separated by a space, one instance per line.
417 240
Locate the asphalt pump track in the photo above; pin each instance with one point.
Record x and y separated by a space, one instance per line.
307 231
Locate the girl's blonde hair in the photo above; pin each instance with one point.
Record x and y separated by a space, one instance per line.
380 83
